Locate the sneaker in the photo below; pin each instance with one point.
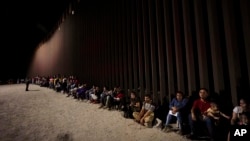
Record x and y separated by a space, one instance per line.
166 129
158 125
101 106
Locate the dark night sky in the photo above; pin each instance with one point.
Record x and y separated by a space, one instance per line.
23 25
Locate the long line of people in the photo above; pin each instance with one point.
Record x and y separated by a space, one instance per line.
189 114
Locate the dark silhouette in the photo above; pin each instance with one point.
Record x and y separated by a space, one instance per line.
27 84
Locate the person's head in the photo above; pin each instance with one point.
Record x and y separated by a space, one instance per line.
203 93
132 94
243 103
116 88
97 88
245 118
147 98
179 95
105 88
214 106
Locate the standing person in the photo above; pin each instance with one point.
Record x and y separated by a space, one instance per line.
27 83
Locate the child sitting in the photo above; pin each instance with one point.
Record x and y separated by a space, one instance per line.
215 113
243 124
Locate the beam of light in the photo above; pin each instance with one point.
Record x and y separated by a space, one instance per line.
47 57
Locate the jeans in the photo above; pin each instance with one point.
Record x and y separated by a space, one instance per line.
170 117
207 120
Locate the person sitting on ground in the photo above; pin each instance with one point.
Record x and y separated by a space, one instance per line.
110 96
238 110
133 106
198 114
81 91
160 114
215 113
244 124
95 97
118 100
245 119
146 115
103 96
176 106
90 92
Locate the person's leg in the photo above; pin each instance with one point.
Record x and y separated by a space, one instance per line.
210 126
130 112
110 102
168 119
122 104
101 100
136 115
86 95
148 120
116 104
191 124
90 97
179 120
27 87
158 123
107 101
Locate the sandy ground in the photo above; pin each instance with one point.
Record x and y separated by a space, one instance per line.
41 114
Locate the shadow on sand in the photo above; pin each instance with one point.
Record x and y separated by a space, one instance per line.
33 90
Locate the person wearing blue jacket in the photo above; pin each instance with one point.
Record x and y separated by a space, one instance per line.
175 110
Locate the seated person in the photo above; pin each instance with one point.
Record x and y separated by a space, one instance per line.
80 92
244 124
176 106
73 88
238 110
95 97
215 113
109 97
58 86
116 100
245 119
103 96
198 114
89 93
133 106
146 115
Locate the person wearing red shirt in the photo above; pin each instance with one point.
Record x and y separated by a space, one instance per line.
198 113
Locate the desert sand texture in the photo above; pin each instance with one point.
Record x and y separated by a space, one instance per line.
41 114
